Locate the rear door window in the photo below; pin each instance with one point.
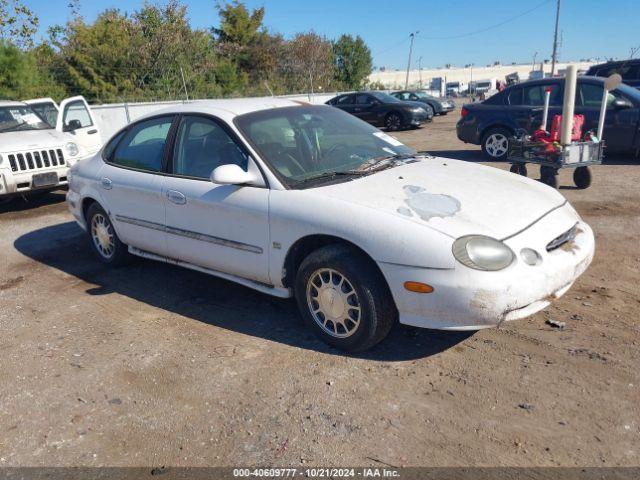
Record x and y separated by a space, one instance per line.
345 100
142 147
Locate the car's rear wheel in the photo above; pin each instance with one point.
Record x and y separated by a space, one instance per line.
495 144
344 299
582 177
393 121
103 238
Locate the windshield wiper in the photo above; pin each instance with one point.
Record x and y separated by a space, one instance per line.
13 127
330 175
382 162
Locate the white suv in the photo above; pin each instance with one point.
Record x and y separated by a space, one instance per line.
38 145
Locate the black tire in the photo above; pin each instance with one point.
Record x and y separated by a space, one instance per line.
548 176
393 121
377 309
582 177
119 254
519 168
495 144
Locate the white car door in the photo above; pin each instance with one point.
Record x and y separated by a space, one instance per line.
221 227
75 117
131 182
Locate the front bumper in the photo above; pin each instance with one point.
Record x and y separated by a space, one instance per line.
20 183
420 118
467 299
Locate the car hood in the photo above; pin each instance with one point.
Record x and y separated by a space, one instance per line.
453 197
31 140
412 104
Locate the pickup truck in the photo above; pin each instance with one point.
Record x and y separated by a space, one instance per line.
40 140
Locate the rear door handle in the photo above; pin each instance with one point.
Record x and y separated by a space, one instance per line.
176 197
106 183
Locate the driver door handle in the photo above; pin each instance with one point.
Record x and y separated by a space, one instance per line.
176 197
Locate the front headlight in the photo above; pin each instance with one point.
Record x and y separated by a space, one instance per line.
71 149
418 110
482 253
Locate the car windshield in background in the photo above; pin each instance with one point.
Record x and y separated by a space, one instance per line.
385 97
20 118
424 95
47 111
315 142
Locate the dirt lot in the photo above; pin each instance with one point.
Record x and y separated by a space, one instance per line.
153 365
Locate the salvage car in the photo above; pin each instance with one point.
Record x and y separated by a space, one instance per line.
492 123
440 106
307 201
37 144
382 110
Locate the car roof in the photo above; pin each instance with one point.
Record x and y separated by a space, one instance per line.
556 80
11 103
614 63
227 109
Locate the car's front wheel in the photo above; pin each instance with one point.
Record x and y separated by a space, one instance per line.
393 121
103 238
495 144
344 299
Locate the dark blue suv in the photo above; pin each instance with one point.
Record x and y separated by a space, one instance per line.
491 123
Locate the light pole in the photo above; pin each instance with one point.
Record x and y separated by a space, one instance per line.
533 65
412 36
555 42
420 69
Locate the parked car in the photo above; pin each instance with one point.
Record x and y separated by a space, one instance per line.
491 123
305 200
383 110
440 106
37 145
629 70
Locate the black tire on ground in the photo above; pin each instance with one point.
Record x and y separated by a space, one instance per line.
393 121
548 176
103 239
519 168
582 177
318 286
495 143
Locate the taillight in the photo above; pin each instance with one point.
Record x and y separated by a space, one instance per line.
464 112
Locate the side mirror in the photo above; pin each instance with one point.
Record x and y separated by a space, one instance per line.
232 174
621 103
72 125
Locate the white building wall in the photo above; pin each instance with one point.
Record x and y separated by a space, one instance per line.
395 79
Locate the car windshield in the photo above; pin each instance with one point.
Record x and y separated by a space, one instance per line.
316 142
20 117
628 91
47 111
424 95
384 97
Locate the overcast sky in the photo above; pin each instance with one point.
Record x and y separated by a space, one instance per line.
590 28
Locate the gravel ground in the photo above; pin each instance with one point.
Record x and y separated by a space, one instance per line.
154 365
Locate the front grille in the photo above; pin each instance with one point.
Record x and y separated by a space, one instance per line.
562 239
25 162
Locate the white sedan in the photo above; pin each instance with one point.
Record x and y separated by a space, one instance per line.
308 201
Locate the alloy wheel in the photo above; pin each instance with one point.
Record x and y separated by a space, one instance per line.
102 235
333 303
496 145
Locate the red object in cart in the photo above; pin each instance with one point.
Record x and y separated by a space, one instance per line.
576 132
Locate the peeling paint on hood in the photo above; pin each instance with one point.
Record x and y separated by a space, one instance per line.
451 196
427 205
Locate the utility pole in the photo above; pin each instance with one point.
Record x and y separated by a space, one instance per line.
412 36
533 65
554 58
420 70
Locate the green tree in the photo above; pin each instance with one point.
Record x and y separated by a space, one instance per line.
353 61
22 77
18 24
